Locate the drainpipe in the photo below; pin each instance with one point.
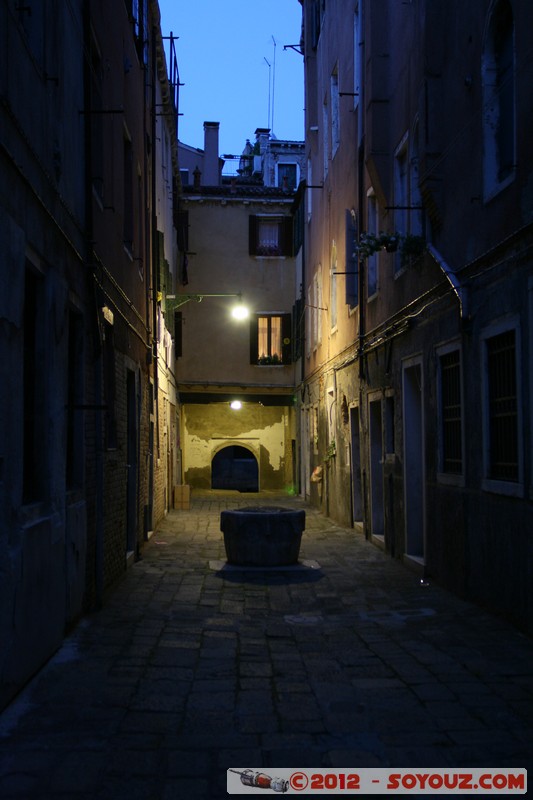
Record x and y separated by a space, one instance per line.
460 291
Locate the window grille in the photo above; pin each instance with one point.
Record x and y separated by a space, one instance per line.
503 407
451 430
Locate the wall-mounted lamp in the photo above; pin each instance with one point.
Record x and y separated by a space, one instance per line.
239 311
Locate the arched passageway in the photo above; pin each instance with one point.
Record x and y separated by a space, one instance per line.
235 467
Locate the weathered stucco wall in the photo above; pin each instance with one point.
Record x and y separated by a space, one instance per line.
264 430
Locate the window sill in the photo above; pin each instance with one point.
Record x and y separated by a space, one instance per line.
503 487
450 479
269 258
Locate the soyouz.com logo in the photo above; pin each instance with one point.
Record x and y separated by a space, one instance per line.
377 781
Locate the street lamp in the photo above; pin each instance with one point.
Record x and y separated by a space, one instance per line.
239 311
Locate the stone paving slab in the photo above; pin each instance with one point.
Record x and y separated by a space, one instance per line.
189 670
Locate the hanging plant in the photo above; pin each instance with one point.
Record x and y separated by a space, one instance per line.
411 247
370 243
331 451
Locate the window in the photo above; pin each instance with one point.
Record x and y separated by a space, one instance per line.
270 235
74 459
316 19
128 195
178 334
109 387
333 286
498 80
96 120
335 120
416 220
389 425
356 57
297 328
325 134
287 176
502 407
270 339
317 307
34 389
401 193
351 262
450 413
373 227
309 322
184 176
309 192
138 13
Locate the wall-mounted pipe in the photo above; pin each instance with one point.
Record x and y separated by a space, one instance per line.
455 283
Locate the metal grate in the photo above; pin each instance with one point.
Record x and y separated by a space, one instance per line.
452 447
503 407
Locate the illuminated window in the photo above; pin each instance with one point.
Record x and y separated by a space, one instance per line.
270 339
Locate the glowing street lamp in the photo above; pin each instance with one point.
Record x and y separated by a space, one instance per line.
239 312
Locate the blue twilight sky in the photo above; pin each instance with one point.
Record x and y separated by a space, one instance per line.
222 50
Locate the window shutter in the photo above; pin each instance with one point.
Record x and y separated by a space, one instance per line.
286 236
252 235
183 231
286 339
161 283
297 328
178 333
351 262
254 340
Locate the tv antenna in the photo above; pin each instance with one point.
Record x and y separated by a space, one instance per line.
273 84
269 73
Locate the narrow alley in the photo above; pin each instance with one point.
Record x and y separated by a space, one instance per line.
191 668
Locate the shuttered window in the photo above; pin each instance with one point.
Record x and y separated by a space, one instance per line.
352 276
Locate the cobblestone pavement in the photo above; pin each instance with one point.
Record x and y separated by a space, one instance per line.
189 670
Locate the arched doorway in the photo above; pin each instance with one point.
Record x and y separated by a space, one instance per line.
235 467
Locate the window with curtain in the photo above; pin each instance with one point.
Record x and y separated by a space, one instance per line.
270 235
271 339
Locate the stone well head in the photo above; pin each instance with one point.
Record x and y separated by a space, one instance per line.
262 536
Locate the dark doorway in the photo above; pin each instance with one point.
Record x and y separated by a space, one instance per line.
235 467
131 466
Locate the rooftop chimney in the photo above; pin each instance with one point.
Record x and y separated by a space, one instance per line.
211 175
